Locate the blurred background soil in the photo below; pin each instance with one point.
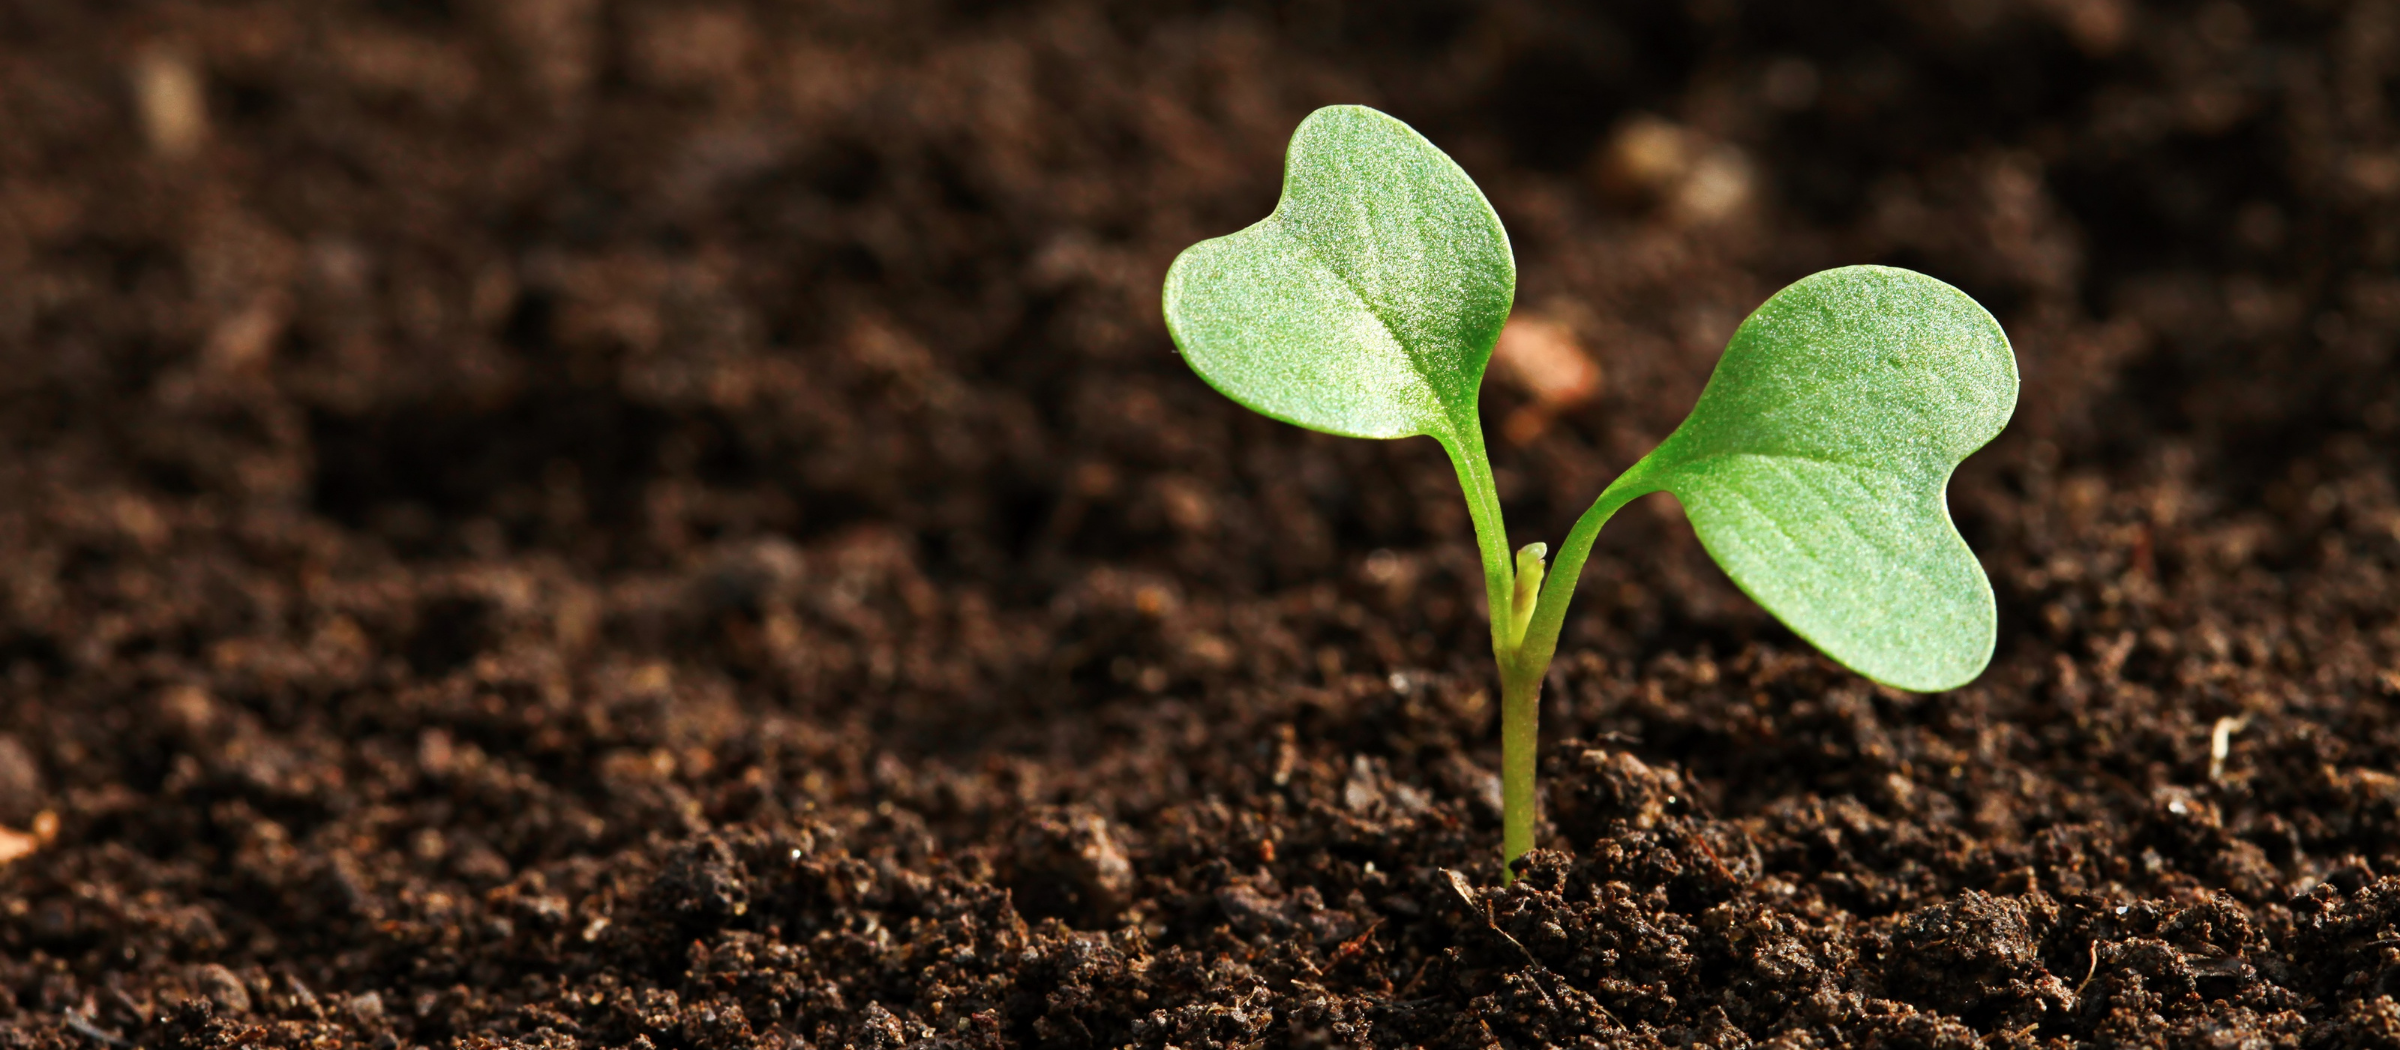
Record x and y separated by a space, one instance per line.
610 523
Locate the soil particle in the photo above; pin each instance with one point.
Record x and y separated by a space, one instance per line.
702 886
221 987
1977 956
1068 864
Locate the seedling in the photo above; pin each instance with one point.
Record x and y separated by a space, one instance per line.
1813 466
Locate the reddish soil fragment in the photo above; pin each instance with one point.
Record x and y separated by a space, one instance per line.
618 523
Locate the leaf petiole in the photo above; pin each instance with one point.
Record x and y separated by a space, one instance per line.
1465 445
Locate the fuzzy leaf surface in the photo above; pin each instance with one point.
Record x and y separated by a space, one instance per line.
1814 468
1367 303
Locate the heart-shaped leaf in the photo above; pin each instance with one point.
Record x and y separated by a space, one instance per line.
1367 303
1813 468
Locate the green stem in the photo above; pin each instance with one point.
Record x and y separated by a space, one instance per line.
1522 671
1524 639
1520 746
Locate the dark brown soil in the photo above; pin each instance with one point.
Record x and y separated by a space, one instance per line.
599 523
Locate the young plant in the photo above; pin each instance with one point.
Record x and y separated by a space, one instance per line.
1812 468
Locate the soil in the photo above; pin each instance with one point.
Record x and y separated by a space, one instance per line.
602 523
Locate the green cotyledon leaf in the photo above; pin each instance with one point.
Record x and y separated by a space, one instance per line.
1367 303
1814 465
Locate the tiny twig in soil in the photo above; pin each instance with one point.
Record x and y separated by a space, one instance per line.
2220 744
77 1024
1513 942
1354 945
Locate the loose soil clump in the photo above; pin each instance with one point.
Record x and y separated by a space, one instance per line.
567 523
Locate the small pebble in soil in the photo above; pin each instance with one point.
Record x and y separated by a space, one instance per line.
20 782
